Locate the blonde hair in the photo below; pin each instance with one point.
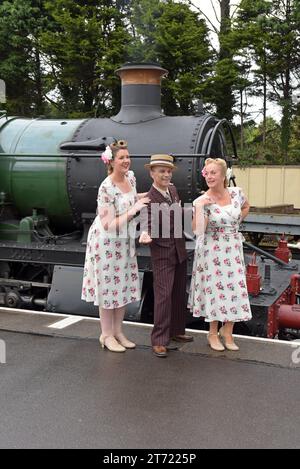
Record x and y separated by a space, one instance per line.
223 166
115 147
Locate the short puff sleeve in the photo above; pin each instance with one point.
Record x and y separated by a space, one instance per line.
106 205
105 197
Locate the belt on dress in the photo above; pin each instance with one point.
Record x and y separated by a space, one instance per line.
223 231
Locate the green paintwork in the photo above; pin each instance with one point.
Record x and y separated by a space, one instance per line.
25 230
35 136
37 182
8 231
31 180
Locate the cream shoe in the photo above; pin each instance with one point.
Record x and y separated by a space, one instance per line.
215 343
124 341
229 345
111 344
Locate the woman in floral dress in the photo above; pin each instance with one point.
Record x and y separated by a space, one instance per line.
218 287
110 278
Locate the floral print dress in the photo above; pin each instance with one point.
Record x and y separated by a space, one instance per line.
110 277
218 289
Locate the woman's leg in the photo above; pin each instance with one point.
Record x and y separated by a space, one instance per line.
107 338
118 317
106 321
227 329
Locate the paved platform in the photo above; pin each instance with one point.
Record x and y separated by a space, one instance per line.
59 389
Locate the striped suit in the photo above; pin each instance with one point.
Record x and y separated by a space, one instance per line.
168 255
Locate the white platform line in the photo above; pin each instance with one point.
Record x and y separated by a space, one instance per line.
45 313
65 322
141 324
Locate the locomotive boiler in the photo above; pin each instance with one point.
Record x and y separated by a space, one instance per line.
50 172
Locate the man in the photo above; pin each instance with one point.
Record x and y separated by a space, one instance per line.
161 227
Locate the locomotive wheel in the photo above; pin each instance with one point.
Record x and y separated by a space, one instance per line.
12 299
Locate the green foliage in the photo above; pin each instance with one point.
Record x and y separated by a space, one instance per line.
83 50
20 56
294 146
256 153
58 57
270 30
225 72
173 35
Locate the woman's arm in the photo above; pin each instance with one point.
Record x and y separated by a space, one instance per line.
113 223
200 220
245 209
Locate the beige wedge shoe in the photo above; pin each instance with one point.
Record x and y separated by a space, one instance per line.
124 341
228 341
111 344
215 343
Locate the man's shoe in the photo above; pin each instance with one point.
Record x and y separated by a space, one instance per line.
183 338
160 351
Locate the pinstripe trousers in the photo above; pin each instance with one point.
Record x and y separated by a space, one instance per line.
169 282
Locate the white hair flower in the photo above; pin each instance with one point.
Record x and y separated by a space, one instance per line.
107 155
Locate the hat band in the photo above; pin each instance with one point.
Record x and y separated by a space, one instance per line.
165 163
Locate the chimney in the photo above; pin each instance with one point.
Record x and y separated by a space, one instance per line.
140 93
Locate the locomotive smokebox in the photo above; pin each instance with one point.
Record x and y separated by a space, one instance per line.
141 93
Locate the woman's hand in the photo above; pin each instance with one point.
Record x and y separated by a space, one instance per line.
204 200
145 238
141 203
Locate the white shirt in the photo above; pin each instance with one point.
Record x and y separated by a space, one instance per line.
166 193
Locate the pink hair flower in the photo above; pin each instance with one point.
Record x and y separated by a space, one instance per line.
107 155
204 172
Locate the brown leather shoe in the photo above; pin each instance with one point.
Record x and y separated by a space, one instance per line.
160 351
183 338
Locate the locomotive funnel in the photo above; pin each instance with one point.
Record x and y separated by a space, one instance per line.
140 93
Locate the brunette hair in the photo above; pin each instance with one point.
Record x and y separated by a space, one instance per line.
115 147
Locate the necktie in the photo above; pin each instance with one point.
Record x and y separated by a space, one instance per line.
168 197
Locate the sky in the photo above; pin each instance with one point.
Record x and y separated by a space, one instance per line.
211 9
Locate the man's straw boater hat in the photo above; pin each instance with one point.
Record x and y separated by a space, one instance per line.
161 160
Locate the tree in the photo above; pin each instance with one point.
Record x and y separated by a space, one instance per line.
249 38
255 151
172 34
20 56
284 46
271 30
83 48
225 70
